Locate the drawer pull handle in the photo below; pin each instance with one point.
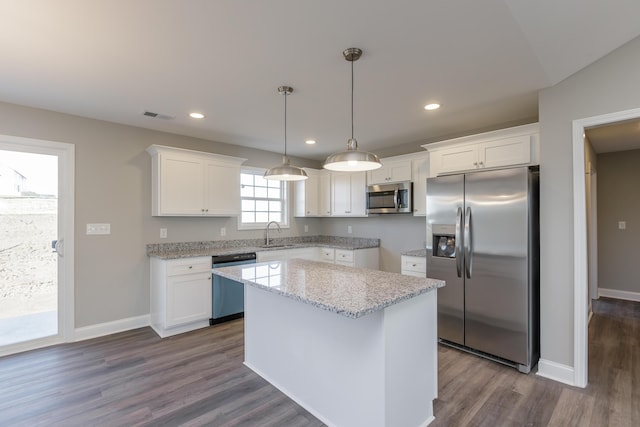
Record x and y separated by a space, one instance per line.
191 266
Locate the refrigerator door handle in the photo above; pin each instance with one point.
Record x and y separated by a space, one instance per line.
467 243
458 240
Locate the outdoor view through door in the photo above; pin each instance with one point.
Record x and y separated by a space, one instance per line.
28 262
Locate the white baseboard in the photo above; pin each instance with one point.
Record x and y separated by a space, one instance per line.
108 328
556 371
614 293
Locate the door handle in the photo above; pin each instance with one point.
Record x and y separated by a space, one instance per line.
467 243
458 242
59 247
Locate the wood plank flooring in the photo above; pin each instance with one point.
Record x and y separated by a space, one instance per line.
197 379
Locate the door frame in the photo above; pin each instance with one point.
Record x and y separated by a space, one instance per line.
580 250
66 208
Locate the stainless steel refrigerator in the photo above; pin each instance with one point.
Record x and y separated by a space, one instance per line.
483 240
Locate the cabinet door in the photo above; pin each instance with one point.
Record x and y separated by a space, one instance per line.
222 189
348 195
505 152
307 196
181 185
456 159
340 194
188 299
358 183
391 171
420 174
324 194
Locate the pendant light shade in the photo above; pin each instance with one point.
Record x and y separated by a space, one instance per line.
285 171
352 160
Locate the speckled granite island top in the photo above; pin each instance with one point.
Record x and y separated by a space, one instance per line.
351 292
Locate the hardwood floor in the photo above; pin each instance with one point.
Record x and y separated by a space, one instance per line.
195 379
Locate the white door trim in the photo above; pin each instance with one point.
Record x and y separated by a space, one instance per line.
580 270
66 204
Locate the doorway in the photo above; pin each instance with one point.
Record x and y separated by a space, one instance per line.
36 245
580 230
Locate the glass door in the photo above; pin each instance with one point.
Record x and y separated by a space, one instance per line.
36 204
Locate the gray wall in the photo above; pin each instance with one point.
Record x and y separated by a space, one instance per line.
608 85
619 200
113 184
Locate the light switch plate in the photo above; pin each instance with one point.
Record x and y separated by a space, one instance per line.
349 229
163 233
223 231
98 229
622 225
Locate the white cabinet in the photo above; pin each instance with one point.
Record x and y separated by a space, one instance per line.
365 258
313 195
348 194
193 183
420 165
391 171
327 255
180 295
310 253
503 148
414 266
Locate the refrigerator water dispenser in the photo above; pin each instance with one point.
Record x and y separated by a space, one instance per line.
444 241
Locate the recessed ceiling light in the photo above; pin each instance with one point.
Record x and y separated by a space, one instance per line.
431 106
196 115
310 141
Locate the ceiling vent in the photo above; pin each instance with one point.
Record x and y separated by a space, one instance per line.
158 115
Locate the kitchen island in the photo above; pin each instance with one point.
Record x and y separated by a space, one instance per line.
355 347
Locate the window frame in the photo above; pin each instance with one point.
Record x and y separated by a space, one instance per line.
285 192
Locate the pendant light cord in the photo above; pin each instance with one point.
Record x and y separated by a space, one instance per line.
285 124
351 99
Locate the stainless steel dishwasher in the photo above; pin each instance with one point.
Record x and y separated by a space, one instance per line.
228 295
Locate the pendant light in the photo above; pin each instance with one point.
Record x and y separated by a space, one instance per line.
351 159
285 172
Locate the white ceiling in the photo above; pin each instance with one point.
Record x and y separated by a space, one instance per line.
620 136
484 61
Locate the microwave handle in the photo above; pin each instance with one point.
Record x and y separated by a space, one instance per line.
396 199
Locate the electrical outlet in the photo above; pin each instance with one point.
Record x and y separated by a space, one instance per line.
223 231
622 225
98 228
306 228
349 229
163 233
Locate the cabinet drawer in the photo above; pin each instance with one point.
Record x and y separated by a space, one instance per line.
327 254
188 265
343 255
416 264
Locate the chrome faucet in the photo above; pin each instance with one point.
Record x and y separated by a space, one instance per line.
266 232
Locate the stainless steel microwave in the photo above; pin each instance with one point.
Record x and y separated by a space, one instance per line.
390 198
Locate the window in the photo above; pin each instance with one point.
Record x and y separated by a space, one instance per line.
262 200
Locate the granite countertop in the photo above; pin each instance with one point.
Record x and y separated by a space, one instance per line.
348 291
416 252
227 247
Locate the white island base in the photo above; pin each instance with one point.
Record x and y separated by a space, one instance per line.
376 370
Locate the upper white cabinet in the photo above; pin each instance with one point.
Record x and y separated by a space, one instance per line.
193 183
420 165
391 171
503 148
348 194
313 195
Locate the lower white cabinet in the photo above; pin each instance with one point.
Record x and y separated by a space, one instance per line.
414 266
281 254
180 295
366 258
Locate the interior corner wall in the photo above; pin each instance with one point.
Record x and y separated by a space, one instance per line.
611 84
619 200
113 185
